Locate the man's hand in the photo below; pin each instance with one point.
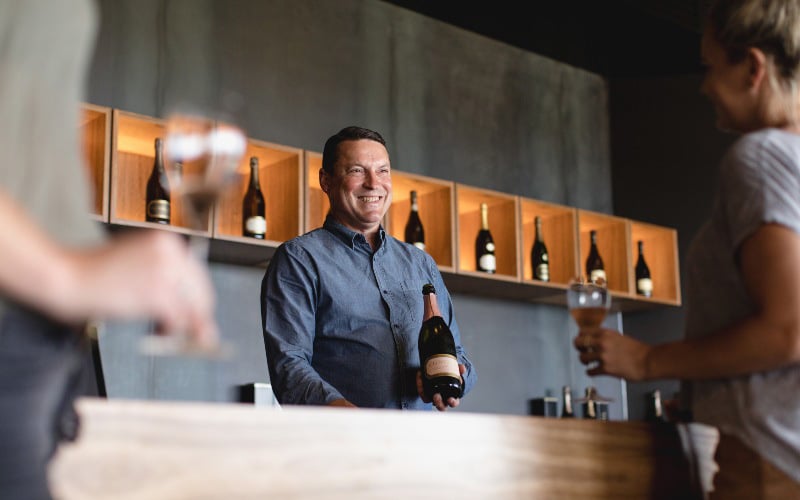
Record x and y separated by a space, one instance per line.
437 401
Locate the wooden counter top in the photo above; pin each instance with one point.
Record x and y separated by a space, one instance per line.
171 450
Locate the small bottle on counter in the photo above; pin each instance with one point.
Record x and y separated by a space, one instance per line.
566 398
654 411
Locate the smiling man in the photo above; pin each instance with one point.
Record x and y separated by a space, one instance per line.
341 305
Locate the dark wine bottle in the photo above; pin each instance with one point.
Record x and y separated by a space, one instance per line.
654 411
254 224
540 259
484 245
644 284
566 408
594 263
437 351
415 233
157 203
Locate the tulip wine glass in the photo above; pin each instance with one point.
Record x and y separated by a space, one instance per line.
201 157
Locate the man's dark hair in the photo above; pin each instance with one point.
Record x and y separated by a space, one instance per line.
331 152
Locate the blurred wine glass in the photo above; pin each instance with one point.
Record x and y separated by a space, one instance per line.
201 156
589 303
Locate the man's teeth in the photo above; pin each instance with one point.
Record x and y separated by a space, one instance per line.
370 199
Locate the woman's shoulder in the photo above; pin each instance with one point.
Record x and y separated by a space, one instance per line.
762 148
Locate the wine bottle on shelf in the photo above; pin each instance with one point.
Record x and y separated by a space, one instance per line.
484 245
415 233
437 351
157 202
644 284
566 409
540 259
254 224
594 263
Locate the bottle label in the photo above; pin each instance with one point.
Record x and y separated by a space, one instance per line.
487 261
420 245
442 365
490 247
256 225
597 274
645 286
542 272
158 209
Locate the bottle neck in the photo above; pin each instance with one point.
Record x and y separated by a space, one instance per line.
431 306
484 217
254 176
593 238
538 230
641 251
414 205
159 161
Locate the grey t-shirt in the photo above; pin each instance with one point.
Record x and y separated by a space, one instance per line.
40 165
759 184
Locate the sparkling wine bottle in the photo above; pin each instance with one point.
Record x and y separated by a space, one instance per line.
484 245
437 351
415 233
254 224
594 263
540 259
644 284
157 202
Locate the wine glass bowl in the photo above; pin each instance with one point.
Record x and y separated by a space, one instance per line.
588 302
201 157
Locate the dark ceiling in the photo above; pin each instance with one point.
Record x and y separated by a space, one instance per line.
614 38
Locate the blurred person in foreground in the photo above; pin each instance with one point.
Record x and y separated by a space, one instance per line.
740 359
56 270
342 305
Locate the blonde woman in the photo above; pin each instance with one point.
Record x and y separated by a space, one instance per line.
741 353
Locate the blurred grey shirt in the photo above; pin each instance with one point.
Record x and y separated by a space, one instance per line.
342 321
759 184
40 105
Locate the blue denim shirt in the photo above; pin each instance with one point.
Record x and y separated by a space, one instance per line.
342 321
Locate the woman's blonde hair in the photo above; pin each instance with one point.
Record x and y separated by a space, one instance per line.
773 26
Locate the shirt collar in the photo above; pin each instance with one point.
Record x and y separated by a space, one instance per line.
347 235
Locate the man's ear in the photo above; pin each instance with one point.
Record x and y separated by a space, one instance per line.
757 63
324 180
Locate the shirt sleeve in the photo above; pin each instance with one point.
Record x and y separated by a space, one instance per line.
759 186
288 316
446 305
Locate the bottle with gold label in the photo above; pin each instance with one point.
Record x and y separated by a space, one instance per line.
157 202
254 222
437 351
595 270
540 259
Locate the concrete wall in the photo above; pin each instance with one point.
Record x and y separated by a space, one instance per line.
451 104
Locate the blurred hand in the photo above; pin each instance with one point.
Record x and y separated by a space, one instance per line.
148 274
437 400
611 353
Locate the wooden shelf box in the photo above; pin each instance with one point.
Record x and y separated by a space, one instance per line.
436 200
132 159
612 243
280 173
503 224
559 232
317 204
95 131
661 254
